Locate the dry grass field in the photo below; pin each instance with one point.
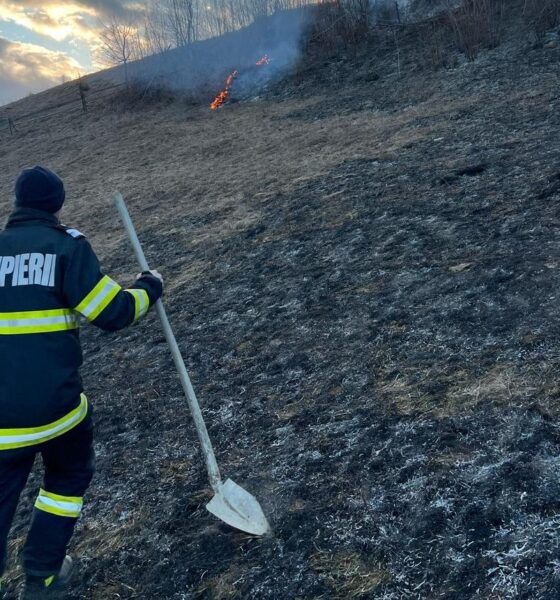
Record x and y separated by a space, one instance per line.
363 270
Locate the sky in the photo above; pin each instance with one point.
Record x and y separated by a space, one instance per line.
44 42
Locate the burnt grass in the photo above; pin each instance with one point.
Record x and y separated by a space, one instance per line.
377 360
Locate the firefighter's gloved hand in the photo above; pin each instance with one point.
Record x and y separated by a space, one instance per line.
154 273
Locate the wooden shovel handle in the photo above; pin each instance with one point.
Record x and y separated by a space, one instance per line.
207 449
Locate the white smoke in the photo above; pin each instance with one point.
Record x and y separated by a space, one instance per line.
205 64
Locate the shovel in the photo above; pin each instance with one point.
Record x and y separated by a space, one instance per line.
231 503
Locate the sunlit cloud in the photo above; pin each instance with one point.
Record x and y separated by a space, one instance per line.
26 68
68 28
75 19
59 22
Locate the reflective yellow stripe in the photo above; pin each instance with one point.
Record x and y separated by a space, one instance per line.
141 303
62 506
38 321
21 438
99 298
59 498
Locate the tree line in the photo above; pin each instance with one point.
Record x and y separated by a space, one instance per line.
169 24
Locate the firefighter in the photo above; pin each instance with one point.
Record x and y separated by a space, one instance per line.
50 280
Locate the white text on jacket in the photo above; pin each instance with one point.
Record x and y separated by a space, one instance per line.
28 269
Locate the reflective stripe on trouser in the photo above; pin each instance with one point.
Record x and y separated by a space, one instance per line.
38 321
11 439
62 506
99 298
141 303
69 464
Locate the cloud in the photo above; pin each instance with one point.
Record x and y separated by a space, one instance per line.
26 68
65 20
68 24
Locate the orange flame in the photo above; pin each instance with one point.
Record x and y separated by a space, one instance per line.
222 97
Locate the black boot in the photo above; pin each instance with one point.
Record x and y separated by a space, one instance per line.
39 588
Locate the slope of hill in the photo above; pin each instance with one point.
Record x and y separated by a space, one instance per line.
363 273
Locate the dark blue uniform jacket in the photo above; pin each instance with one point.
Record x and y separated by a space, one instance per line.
50 282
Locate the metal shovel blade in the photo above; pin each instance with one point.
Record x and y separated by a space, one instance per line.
236 507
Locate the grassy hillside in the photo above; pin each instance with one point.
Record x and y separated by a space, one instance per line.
363 271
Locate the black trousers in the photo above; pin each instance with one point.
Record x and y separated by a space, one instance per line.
68 468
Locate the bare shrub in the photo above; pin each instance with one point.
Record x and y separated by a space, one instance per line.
338 24
138 96
435 39
119 43
477 24
542 15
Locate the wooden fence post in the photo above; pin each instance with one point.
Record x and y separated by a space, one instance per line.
83 87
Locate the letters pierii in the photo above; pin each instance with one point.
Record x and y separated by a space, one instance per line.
27 269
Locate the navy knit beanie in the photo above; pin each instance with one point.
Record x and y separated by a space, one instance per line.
41 189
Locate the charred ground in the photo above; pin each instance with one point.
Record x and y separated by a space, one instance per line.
363 273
